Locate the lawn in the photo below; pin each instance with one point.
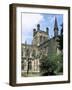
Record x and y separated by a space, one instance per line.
31 74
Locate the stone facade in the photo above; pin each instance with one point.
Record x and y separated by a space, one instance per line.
41 45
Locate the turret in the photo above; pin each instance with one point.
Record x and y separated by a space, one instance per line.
47 30
34 32
38 27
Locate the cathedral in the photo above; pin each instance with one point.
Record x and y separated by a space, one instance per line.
41 45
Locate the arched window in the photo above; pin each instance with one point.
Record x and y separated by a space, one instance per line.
33 53
27 53
40 39
30 65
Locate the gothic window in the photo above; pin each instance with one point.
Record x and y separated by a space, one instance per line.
27 52
30 65
40 38
33 53
37 65
25 65
22 64
44 38
22 67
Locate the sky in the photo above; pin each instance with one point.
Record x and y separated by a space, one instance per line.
30 20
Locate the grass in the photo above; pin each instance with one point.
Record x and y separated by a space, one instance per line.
31 74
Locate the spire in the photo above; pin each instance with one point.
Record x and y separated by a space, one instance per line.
55 28
56 24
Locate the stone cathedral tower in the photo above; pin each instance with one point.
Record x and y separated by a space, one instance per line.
39 36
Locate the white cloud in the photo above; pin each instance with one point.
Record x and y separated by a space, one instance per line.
29 21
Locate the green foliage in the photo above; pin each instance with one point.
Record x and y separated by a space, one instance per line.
52 65
60 63
60 39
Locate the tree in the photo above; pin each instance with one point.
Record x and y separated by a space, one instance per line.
60 63
47 66
60 39
51 65
60 47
